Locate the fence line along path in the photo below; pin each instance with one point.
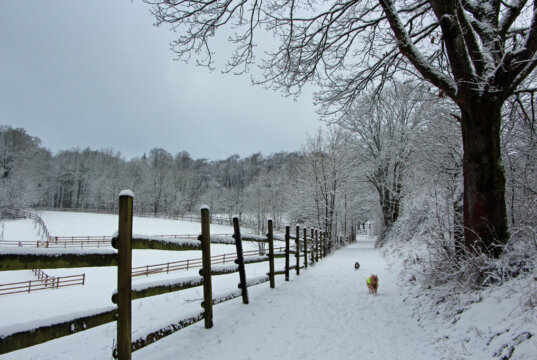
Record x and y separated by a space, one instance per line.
307 251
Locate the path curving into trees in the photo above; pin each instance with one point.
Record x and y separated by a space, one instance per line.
326 313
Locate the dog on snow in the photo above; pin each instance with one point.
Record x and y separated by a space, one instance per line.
372 283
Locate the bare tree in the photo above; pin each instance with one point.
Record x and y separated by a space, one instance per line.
477 53
161 164
322 177
24 169
382 129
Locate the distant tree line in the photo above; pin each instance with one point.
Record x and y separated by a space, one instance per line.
387 158
162 183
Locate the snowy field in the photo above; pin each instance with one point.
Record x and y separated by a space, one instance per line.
325 313
101 282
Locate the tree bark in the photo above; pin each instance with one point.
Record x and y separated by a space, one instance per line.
485 217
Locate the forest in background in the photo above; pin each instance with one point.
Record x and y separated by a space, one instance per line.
388 158
395 160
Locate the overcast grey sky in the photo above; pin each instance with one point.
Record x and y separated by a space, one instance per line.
99 74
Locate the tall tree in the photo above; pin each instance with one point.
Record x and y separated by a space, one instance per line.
322 176
477 53
382 128
23 169
161 163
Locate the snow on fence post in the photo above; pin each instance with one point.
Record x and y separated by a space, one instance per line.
270 236
206 270
240 260
287 238
124 278
297 254
305 248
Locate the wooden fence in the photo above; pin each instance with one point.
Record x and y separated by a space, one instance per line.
39 221
190 264
98 241
310 248
80 241
47 283
221 220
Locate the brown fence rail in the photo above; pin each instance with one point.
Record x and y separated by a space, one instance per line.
215 219
190 264
46 283
73 242
83 241
32 216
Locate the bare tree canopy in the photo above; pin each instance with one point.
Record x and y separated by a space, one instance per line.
477 53
347 45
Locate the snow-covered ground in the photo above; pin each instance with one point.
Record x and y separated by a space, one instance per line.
326 312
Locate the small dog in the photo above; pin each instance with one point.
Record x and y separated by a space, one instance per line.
356 265
372 283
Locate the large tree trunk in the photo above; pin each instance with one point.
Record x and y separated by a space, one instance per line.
485 220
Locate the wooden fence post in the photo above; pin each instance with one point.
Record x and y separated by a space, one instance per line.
271 253
316 245
297 254
206 271
321 244
305 248
287 235
124 278
312 245
240 260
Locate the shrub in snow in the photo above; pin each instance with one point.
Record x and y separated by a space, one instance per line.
423 240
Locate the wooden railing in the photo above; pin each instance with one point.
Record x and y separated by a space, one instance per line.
35 217
81 241
47 283
311 248
62 242
221 220
190 264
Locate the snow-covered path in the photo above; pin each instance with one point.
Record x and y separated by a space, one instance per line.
326 313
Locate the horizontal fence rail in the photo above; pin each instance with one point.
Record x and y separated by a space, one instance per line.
49 283
215 219
84 241
190 264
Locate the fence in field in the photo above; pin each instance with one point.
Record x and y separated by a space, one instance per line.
221 220
78 241
310 246
190 264
49 241
43 282
38 220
